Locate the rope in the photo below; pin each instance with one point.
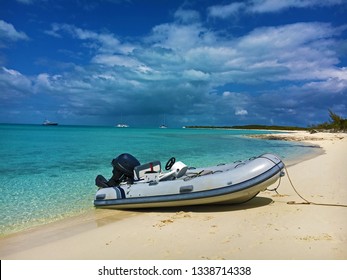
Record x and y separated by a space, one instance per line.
278 185
193 175
201 173
307 202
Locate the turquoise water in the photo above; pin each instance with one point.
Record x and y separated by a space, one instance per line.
48 173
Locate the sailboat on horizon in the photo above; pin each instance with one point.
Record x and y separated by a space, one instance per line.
122 124
164 124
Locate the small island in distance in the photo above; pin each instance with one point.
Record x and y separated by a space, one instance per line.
251 126
335 124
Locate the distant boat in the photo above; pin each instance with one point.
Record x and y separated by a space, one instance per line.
47 122
122 125
164 124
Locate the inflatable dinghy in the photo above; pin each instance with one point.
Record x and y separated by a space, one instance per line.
231 183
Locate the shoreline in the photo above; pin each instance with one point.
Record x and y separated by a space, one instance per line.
301 136
316 140
263 228
298 137
16 223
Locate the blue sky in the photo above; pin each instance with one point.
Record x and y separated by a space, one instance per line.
189 62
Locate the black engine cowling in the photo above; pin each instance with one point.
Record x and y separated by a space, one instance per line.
125 164
123 171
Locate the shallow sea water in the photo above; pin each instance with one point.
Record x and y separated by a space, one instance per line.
47 172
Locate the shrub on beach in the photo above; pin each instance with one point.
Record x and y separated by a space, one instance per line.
336 123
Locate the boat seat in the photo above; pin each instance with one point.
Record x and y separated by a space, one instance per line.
177 170
140 171
180 168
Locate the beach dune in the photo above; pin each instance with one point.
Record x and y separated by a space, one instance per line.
267 227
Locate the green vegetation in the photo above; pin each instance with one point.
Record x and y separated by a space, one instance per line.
269 127
252 126
335 124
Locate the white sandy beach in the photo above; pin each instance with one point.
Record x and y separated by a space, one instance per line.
264 228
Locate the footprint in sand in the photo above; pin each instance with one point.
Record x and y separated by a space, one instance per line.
177 215
214 229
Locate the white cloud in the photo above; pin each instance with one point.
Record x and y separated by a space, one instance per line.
181 37
112 60
12 72
13 84
43 81
187 16
241 112
8 32
298 51
337 83
195 75
261 6
14 78
288 36
225 11
102 42
265 6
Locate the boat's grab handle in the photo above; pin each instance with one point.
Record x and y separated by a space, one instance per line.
185 189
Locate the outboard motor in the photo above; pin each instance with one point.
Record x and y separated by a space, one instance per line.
123 171
124 165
